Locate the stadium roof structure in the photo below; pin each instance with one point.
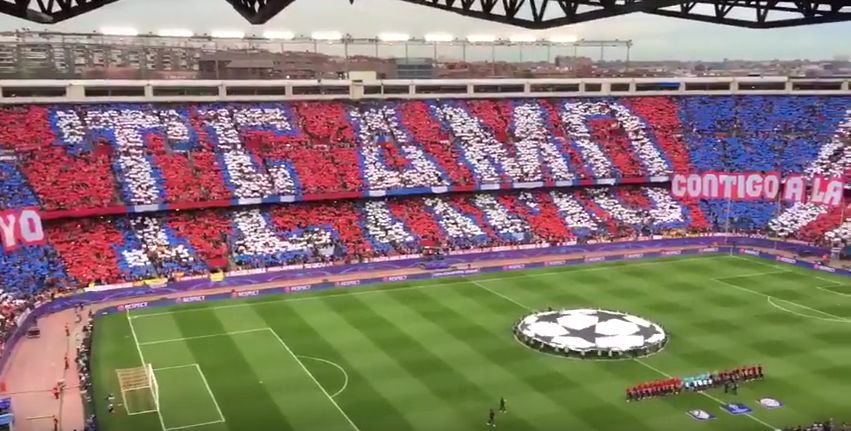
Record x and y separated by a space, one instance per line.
532 14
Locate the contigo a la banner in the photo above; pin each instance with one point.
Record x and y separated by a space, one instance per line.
758 186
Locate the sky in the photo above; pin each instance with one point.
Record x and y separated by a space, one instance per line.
654 38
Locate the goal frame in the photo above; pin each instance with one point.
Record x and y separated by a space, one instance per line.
138 379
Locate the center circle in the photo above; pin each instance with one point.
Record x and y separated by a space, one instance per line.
591 334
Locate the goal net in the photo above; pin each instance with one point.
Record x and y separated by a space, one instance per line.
139 389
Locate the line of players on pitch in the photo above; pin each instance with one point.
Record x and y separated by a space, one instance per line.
729 379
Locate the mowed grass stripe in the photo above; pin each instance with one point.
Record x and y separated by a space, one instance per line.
405 343
245 402
666 414
703 349
717 323
411 365
707 315
706 320
801 352
493 360
586 389
611 377
735 330
400 386
328 338
601 289
787 345
536 387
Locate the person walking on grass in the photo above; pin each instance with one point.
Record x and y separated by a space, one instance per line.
491 419
502 408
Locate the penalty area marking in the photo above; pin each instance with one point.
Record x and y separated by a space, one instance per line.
141 412
175 367
835 318
832 317
827 280
288 350
213 397
309 374
197 337
197 368
335 365
825 288
829 290
182 427
142 359
247 331
833 283
756 274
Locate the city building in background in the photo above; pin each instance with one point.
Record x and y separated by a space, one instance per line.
180 54
27 54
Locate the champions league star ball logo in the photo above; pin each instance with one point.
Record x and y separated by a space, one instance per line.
587 330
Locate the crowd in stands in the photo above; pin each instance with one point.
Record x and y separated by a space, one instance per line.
10 309
67 157
109 250
228 159
825 425
14 306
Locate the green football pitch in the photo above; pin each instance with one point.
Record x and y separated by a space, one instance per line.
437 355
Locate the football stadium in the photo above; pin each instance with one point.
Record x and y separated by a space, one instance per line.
202 236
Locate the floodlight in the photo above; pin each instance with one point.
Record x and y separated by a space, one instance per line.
394 37
563 38
522 38
175 32
119 31
227 34
439 37
278 35
481 38
326 35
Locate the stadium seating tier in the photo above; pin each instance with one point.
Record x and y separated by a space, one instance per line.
91 157
223 160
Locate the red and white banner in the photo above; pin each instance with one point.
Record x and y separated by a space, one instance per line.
758 186
20 226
